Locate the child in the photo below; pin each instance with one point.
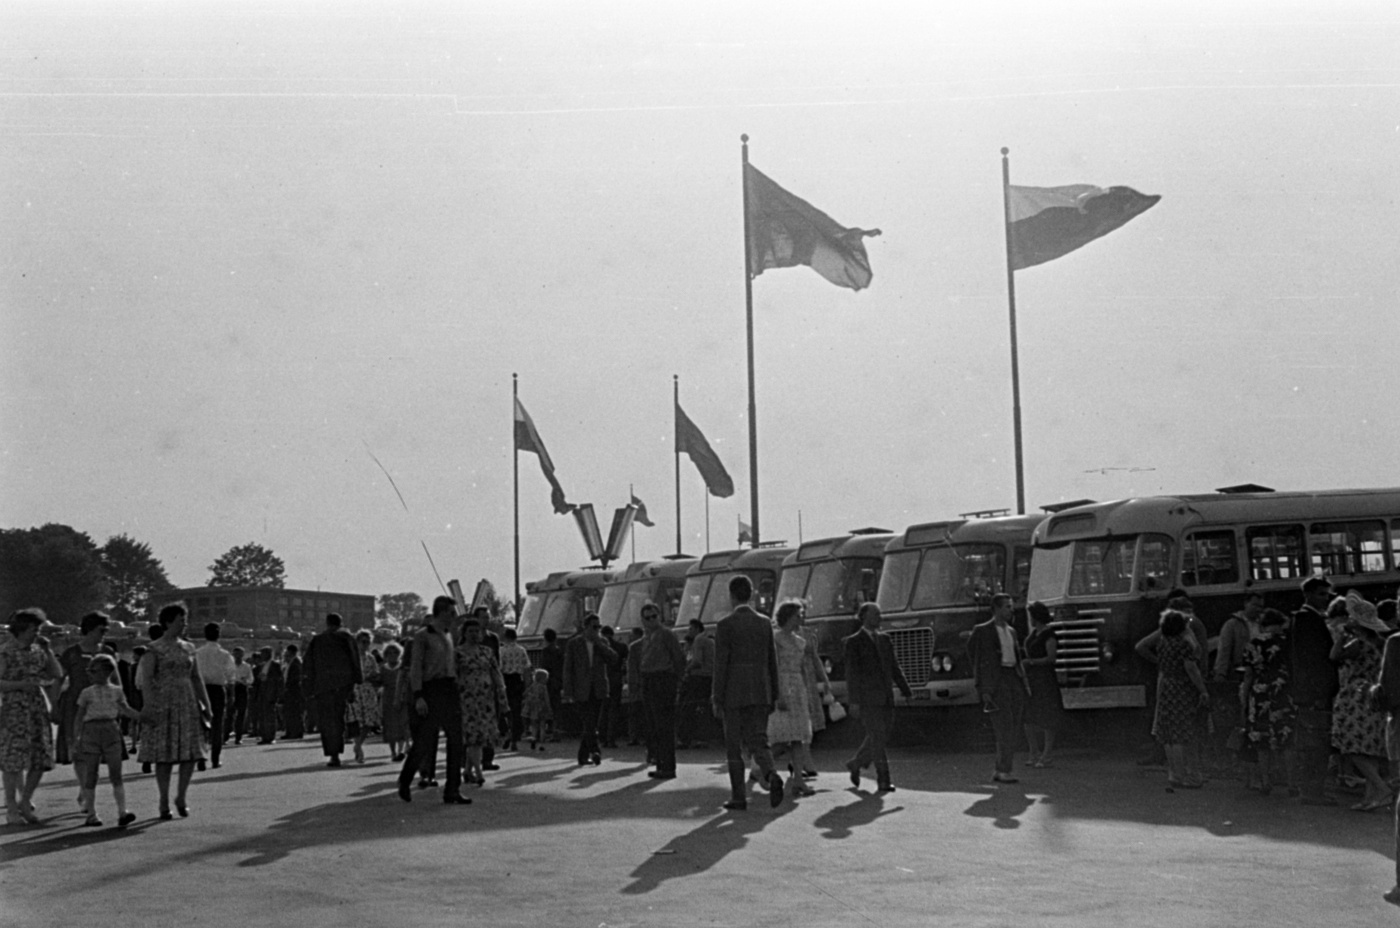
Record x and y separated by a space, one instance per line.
98 737
534 708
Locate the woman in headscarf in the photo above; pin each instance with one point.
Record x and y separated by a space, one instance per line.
1358 730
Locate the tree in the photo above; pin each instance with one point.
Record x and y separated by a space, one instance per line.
248 565
133 574
54 567
396 608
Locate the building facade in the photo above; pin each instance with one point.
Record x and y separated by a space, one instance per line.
260 608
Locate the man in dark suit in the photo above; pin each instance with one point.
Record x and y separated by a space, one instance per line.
745 689
293 709
329 673
1000 681
872 673
1386 695
588 659
1312 683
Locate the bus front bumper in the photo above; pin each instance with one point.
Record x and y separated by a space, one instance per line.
940 693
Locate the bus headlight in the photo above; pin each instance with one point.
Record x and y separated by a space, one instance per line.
1106 652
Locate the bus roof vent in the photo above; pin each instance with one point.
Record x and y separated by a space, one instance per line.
678 557
1245 488
985 514
1061 507
772 544
871 530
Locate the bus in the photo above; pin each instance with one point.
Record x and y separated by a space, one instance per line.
1105 569
659 582
706 592
833 576
559 601
938 582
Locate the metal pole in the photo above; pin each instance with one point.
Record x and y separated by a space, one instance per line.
748 304
675 419
515 462
1015 363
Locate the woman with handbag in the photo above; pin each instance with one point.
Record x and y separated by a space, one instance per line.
362 715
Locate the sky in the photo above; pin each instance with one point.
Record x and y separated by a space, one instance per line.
253 246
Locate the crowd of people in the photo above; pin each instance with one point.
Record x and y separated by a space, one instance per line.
1297 702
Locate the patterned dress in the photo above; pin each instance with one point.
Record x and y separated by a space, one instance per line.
811 660
394 706
362 716
1268 712
536 702
793 723
74 661
171 729
26 739
483 695
1356 727
1177 697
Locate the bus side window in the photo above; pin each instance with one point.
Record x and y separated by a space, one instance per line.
1208 558
1347 547
1276 552
1021 572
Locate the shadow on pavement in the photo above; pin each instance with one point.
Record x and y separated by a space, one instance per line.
697 850
841 821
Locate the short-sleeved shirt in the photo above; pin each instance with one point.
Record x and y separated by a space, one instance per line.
514 660
101 701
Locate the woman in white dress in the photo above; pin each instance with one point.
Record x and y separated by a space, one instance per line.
790 724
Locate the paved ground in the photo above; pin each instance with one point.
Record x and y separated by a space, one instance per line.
276 838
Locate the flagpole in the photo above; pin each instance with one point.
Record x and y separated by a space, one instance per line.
1015 363
631 495
515 462
748 304
675 446
707 521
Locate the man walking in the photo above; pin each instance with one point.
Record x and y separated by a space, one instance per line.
216 667
242 684
330 672
662 661
872 673
745 691
587 662
432 688
1312 682
293 707
1000 681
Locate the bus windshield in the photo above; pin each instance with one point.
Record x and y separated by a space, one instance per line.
948 575
622 604
530 614
837 587
1103 567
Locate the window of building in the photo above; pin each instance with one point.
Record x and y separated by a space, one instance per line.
1347 547
1276 552
1209 558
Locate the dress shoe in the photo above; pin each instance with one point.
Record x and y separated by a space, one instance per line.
405 793
775 790
886 787
490 766
215 765
333 762
126 819
736 805
662 775
183 809
199 765
457 800
1004 778
596 760
855 773
809 774
165 815
425 782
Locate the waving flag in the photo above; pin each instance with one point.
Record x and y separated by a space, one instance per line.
689 440
1050 222
785 231
528 439
745 533
641 517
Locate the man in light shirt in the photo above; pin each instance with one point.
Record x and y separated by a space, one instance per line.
1000 681
217 668
242 685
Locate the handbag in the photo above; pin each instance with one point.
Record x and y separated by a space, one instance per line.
836 711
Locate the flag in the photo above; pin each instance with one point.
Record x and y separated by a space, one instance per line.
1048 222
641 517
527 439
785 231
690 441
745 533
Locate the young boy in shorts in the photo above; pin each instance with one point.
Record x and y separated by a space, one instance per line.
98 736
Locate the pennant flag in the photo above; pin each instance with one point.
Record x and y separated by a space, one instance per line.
745 533
690 441
641 517
1049 222
528 439
785 231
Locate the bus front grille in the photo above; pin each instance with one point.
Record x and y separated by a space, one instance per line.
1077 651
913 651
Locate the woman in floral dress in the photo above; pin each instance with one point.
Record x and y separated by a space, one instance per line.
483 693
1268 710
173 701
362 714
790 723
26 740
1358 730
1181 692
